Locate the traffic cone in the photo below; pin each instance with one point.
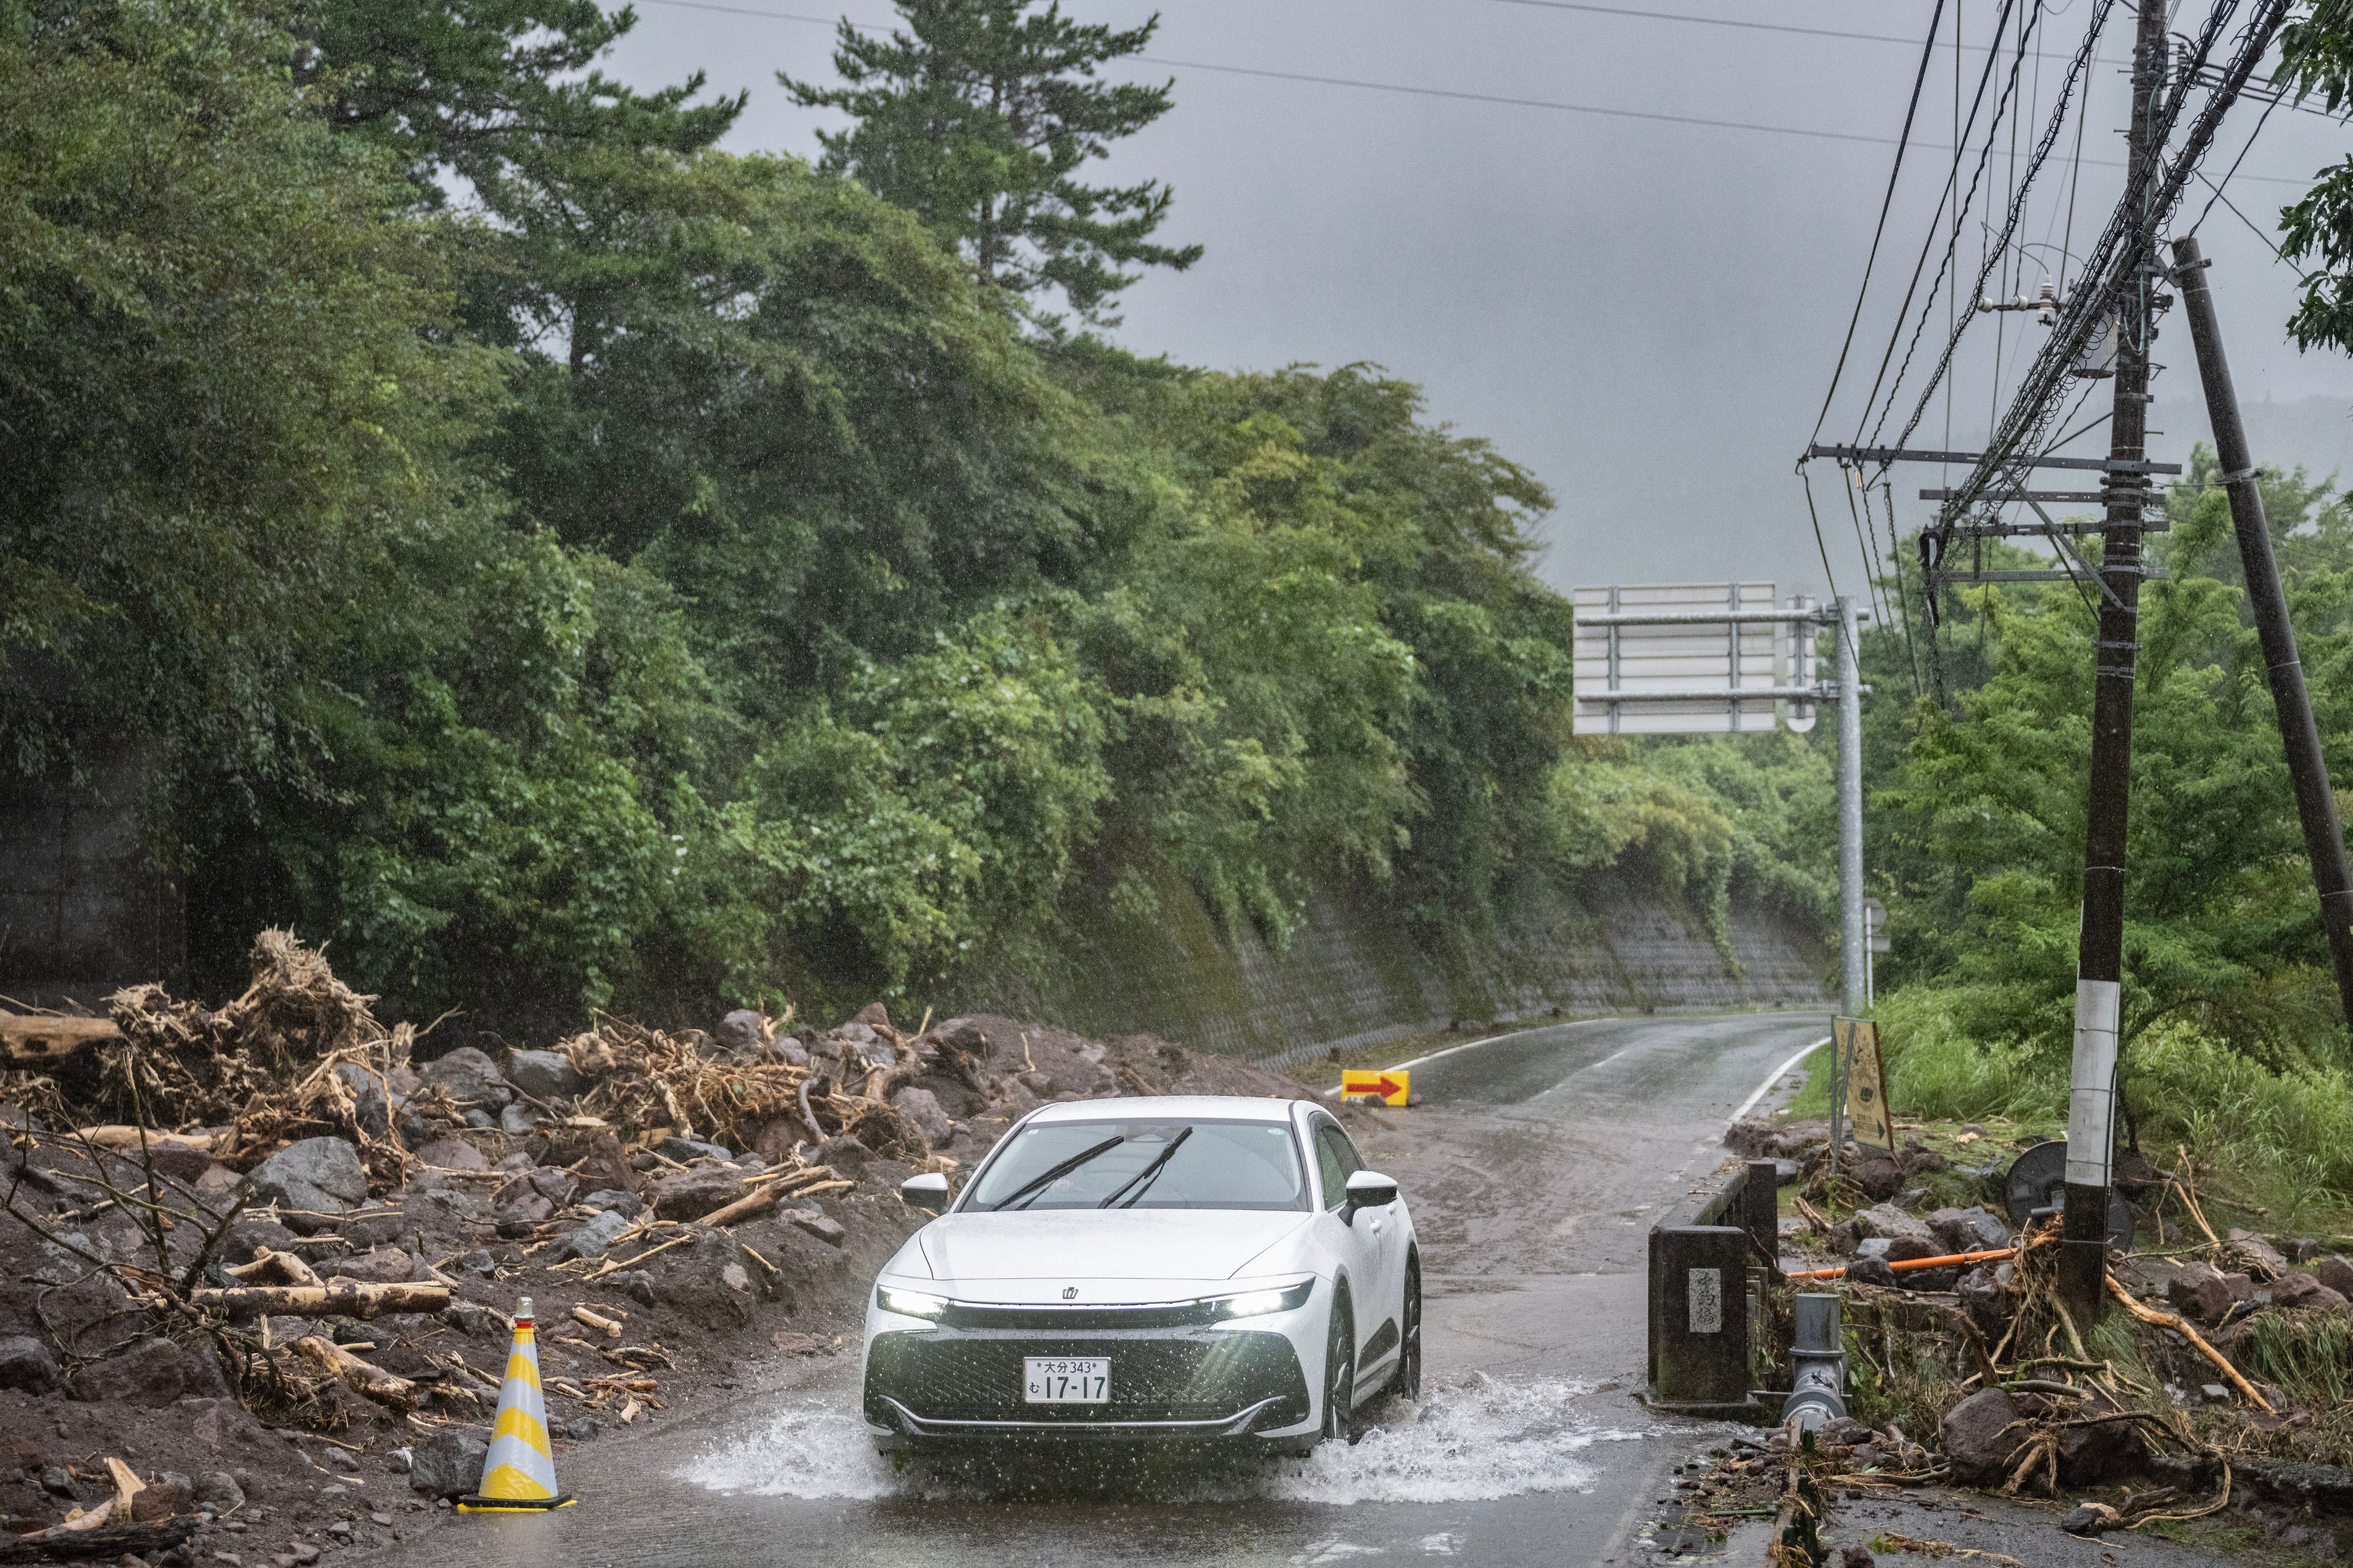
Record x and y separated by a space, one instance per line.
518 1472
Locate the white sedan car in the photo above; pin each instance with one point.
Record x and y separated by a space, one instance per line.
1186 1268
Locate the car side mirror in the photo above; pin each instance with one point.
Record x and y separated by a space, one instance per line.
928 1192
1368 1190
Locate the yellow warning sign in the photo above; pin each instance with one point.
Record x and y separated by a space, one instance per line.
1862 1081
1390 1088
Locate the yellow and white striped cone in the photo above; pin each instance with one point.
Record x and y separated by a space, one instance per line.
518 1472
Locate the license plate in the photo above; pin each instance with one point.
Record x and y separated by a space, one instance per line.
1066 1380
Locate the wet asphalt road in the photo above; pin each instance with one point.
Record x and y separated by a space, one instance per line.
1532 1166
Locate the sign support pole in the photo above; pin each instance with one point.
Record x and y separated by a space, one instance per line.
1853 943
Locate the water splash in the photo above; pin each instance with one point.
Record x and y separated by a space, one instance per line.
1477 1440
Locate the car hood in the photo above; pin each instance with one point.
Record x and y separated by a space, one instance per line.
1111 1257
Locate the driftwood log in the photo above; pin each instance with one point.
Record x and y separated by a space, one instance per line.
106 1542
33 1040
384 1387
337 1297
757 1200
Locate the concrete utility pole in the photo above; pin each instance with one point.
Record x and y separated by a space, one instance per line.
1853 943
2316 802
2099 970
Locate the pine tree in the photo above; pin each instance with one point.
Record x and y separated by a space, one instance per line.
978 118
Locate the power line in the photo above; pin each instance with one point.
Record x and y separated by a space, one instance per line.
1749 26
1414 91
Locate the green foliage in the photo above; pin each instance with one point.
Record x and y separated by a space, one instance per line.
977 119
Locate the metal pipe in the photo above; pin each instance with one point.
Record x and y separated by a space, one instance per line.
1816 1363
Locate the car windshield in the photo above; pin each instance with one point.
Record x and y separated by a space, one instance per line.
1188 1165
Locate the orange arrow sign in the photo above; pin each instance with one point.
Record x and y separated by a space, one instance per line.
1391 1088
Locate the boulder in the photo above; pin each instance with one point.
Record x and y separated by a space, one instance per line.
2106 1451
2298 1288
1879 1179
1978 1445
615 1200
686 1151
532 1196
2204 1293
453 1154
317 1175
545 1075
779 1137
844 1153
1969 1229
921 1107
598 1165
182 1163
201 1376
218 1490
147 1372
376 1266
739 1035
1750 1139
1873 1271
873 1016
26 1362
520 1119
694 1192
2336 1273
2262 1259
162 1497
590 1240
369 1104
1984 1299
471 1079
447 1464
697 1283
1887 1220
817 1224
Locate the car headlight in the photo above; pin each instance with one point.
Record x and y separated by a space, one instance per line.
909 1303
1258 1303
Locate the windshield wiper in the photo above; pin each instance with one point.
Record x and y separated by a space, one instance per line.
1055 1173
1144 1178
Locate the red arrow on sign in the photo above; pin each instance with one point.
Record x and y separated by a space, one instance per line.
1389 1086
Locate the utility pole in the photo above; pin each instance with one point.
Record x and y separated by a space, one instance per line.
2315 803
2099 970
1854 944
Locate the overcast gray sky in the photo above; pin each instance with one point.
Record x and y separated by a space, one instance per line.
1645 312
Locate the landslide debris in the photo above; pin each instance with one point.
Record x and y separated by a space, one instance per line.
261 1258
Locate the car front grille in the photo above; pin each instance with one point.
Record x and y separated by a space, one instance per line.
1187 1376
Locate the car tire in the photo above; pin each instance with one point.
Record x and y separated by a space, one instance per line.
1406 1382
1340 1373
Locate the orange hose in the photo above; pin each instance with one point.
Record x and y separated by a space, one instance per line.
1840 1272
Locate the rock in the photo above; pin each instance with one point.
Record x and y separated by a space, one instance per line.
1873 1271
818 1226
201 1374
2203 1292
519 1120
600 1166
591 1239
686 1151
26 1362
2262 1259
637 1284
162 1497
2301 1289
1874 1246
844 1153
1917 1160
532 1196
1784 1173
921 1107
442 1212
873 1016
579 1429
615 1200
545 1075
221 1424
453 1154
1968 1229
792 1343
778 1136
1987 1303
1879 1179
1978 1444
317 1175
690 1193
447 1464
2336 1273
2089 1519
472 1079
377 1266
1887 1220
739 1035
218 1490
369 1104
1750 1139
473 1317
58 1481
147 1372
1905 1248
698 1284
2105 1452
735 1276
792 1052
376 1227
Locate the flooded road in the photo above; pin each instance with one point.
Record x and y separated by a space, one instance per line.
1533 1166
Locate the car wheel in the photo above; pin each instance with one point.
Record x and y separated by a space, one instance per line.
1407 1383
1340 1374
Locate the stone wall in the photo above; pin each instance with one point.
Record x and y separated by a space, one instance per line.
1357 976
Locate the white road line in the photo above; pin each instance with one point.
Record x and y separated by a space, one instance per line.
1750 1103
